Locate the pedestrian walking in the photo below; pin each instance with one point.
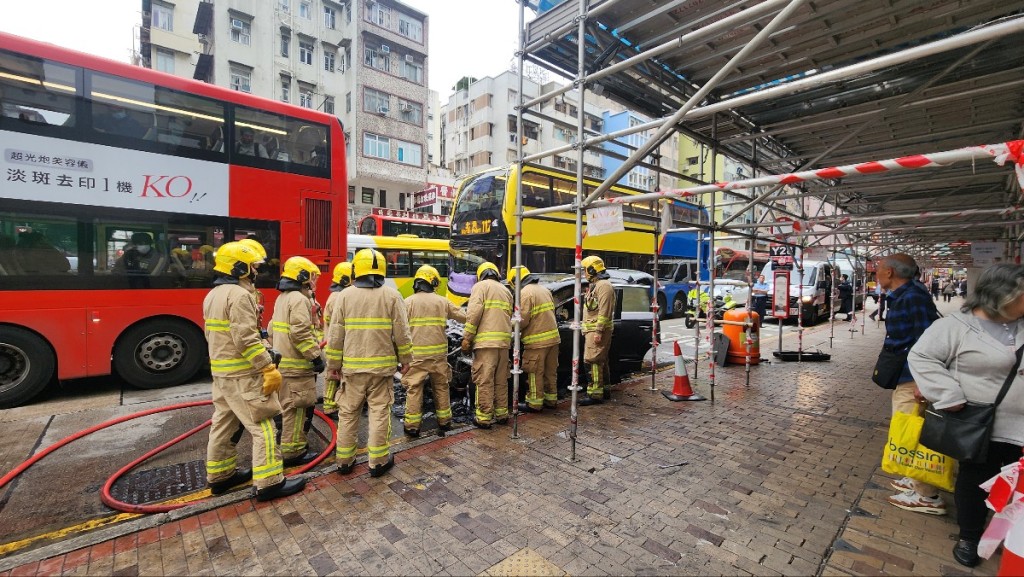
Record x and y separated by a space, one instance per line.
880 294
245 381
428 318
948 290
935 288
910 312
294 336
367 339
539 330
598 322
488 334
965 358
341 279
845 290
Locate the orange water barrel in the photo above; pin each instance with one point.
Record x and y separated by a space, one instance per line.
738 337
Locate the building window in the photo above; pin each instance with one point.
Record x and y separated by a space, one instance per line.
241 31
329 60
306 52
343 62
409 153
164 61
378 59
367 195
329 105
163 16
330 17
375 101
412 72
348 102
383 197
305 97
304 9
285 6
286 90
381 15
410 28
241 79
411 112
351 195
286 44
376 146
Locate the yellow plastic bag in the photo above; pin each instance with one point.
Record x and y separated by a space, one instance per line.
906 457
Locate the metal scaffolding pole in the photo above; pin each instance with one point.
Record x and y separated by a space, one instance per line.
518 285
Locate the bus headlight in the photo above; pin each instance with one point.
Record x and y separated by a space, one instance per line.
807 299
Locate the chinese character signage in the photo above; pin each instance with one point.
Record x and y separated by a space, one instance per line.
55 170
427 217
433 194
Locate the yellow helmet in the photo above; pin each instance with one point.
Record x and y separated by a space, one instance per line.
485 269
342 274
429 275
518 271
594 265
301 270
369 262
236 259
256 246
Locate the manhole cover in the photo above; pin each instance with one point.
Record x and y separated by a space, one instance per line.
161 484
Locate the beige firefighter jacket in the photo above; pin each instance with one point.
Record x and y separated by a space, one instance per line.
292 333
327 307
232 331
599 307
539 326
369 331
489 316
428 316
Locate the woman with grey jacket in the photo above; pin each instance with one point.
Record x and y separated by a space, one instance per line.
965 358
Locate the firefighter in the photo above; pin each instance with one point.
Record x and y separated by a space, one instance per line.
367 338
294 337
428 316
539 335
598 315
340 280
245 381
489 335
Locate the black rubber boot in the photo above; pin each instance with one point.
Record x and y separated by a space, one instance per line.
237 478
587 401
347 468
282 489
379 470
526 408
303 459
414 433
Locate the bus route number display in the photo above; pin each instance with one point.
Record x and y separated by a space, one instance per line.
476 227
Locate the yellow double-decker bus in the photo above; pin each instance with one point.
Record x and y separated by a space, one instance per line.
484 225
405 254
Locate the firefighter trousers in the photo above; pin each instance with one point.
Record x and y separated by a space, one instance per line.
541 368
440 374
377 391
596 357
490 375
297 394
332 394
240 400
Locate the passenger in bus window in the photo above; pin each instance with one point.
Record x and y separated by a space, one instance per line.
37 255
140 258
274 150
117 120
247 143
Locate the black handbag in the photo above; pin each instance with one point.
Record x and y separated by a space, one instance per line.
889 367
965 434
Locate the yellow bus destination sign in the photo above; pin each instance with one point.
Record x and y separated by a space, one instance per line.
476 227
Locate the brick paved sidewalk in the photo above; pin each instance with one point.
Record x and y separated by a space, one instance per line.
781 477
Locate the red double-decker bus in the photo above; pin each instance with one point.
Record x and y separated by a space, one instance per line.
391 222
117 185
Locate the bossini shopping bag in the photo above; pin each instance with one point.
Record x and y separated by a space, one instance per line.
906 456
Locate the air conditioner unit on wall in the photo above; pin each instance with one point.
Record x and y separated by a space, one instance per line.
382 110
385 49
409 58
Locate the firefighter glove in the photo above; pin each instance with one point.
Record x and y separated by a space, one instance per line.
466 345
271 380
318 364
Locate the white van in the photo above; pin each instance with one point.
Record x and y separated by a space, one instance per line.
811 292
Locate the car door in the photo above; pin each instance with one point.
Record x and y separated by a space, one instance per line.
631 338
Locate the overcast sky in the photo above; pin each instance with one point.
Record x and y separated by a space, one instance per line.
467 37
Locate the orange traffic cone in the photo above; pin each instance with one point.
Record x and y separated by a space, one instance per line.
681 390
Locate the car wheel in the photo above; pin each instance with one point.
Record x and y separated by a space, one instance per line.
812 317
159 353
678 306
26 365
663 312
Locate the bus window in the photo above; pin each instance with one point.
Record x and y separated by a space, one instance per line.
267 140
398 263
36 96
368 226
438 260
37 248
268 235
485 192
536 190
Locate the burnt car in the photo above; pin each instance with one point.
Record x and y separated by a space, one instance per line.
631 338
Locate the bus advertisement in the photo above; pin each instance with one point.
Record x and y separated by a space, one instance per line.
119 184
391 222
484 224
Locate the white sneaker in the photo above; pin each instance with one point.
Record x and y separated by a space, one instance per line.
904 484
912 501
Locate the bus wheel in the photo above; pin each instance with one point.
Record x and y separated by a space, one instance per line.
159 353
26 365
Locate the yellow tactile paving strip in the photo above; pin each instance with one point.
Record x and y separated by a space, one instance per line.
525 562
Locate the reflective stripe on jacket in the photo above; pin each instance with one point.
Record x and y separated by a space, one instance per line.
232 331
539 326
291 331
428 316
489 316
599 307
369 331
